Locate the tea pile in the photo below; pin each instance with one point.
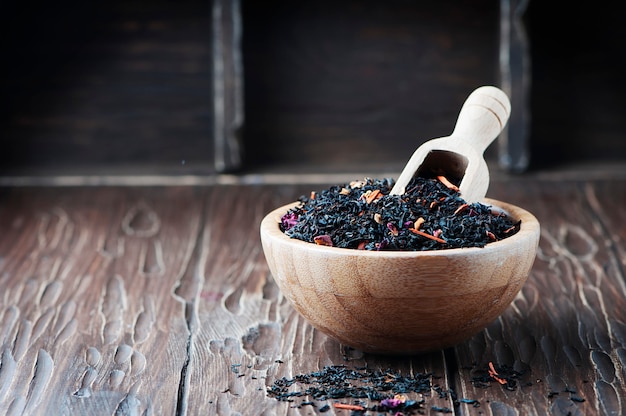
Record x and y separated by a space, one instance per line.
387 391
431 215
388 388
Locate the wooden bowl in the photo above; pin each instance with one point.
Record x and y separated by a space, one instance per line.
401 302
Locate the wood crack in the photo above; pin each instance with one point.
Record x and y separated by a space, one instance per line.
200 327
183 386
190 296
451 366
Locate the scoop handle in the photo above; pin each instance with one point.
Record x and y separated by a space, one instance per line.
482 117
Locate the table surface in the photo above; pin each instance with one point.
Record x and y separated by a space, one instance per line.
158 300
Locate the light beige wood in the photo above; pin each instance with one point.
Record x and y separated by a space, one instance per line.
400 302
459 156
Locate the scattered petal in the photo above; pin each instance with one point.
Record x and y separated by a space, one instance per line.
289 220
323 240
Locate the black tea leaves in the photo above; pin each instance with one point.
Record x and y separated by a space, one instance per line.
430 215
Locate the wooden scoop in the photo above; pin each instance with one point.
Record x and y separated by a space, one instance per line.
459 157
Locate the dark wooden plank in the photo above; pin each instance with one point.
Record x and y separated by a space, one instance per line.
579 56
565 331
105 86
514 79
333 86
227 61
89 321
246 335
159 301
143 299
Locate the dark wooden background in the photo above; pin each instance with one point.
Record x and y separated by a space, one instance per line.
93 87
361 83
125 87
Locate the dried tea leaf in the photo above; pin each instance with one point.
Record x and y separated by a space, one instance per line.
430 216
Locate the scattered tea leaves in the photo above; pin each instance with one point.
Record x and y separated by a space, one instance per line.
431 215
365 391
338 383
504 375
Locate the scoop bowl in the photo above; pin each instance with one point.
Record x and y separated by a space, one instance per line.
401 302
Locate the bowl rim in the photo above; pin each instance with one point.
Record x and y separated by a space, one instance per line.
529 229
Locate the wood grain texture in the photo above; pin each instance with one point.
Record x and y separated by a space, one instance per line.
89 322
515 80
373 78
106 86
159 301
227 65
101 87
565 331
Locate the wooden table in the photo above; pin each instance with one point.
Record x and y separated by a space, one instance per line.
158 301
